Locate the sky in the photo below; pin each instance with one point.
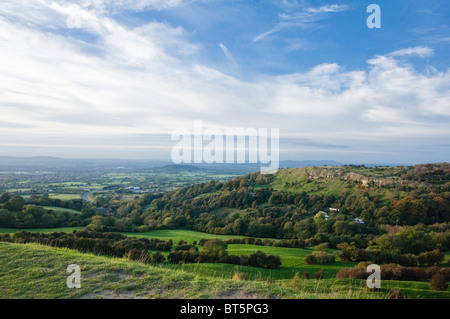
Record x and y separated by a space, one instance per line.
114 79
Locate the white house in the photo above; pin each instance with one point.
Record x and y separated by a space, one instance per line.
333 209
359 220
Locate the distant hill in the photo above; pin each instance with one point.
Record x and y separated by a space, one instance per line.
279 205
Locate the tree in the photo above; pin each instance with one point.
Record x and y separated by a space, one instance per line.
216 249
239 226
15 204
5 197
7 219
100 223
411 240
438 282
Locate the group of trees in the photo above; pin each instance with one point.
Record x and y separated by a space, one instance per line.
15 212
107 244
320 257
349 253
285 214
438 276
215 251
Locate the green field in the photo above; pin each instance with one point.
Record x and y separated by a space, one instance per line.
180 234
65 196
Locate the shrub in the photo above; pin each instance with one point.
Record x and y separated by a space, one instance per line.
158 258
320 257
438 282
295 282
391 272
319 274
321 247
396 294
344 273
243 260
240 276
431 258
261 260
305 275
216 248
310 259
413 274
232 259
431 271
138 255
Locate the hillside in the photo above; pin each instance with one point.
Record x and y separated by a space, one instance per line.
39 272
279 206
35 271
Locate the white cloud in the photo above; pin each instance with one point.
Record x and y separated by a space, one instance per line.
130 86
422 52
301 19
230 58
328 8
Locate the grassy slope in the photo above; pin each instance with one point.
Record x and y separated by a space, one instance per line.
35 271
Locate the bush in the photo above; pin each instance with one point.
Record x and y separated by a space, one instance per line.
158 258
344 273
138 255
320 257
396 294
319 274
321 247
261 260
232 259
305 275
243 260
438 282
391 272
295 282
413 274
184 256
216 248
431 258
240 276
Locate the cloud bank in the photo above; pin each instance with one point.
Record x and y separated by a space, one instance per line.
110 90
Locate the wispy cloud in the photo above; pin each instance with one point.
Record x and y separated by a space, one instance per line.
328 8
230 58
302 18
414 51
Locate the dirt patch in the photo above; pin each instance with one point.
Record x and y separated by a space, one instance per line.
120 274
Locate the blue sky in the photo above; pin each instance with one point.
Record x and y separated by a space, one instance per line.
104 78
